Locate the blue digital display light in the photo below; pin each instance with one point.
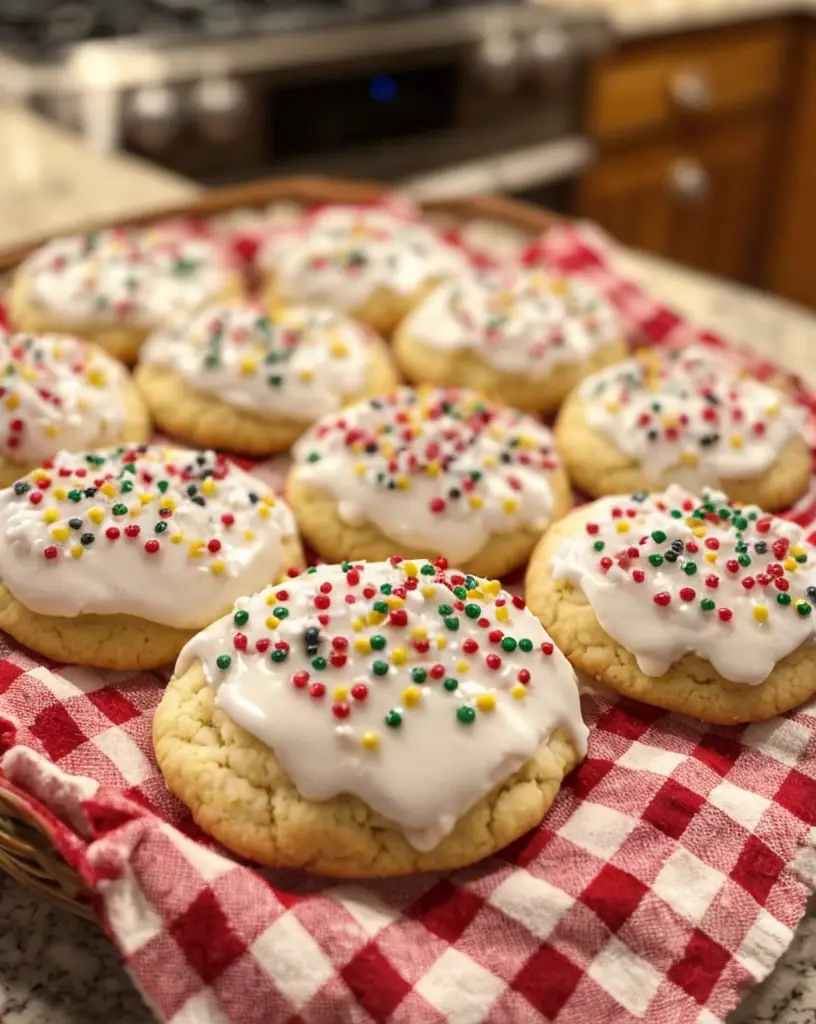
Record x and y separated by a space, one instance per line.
382 88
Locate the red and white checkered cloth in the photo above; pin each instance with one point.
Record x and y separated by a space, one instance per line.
670 873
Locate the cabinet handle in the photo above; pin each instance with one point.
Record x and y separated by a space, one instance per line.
690 90
688 180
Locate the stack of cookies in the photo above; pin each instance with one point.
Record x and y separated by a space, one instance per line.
312 712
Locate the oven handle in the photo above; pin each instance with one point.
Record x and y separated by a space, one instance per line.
514 171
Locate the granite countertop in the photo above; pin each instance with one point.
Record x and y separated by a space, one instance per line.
56 969
634 18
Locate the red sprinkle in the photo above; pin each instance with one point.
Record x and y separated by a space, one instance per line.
748 582
340 710
495 636
725 614
662 597
239 642
712 581
300 679
112 533
606 564
228 519
436 671
359 691
340 643
523 676
317 690
352 577
732 565
592 528
763 525
214 545
262 645
437 505
35 497
518 601
493 661
470 646
638 575
398 617
547 648
338 659
687 593
51 551
321 601
151 546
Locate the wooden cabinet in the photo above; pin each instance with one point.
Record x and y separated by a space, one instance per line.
688 135
792 265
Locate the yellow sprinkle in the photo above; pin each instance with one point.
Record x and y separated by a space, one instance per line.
82 404
760 613
428 591
623 526
475 595
77 551
108 490
526 443
12 401
40 477
503 613
433 469
50 515
306 375
736 441
176 538
398 656
196 547
135 512
52 430
699 531
486 701
339 350
60 533
441 643
60 493
362 645
476 501
208 485
418 632
403 483
791 564
772 410
375 618
264 512
490 462
272 622
492 586
271 598
218 566
359 468
340 693
410 568
248 366
357 447
96 515
509 505
357 624
797 550
612 406
145 499
249 535
519 691
411 696
462 666
711 556
370 740
689 458
95 377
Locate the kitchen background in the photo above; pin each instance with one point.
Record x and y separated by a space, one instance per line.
686 128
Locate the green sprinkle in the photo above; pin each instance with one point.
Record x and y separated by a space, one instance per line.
119 509
744 560
163 485
313 457
444 609
707 604
508 644
452 622
803 608
380 668
739 522
450 683
460 592
319 664
690 568
160 527
656 559
223 661
658 536
377 642
676 513
281 613
419 675
386 589
279 656
75 524
599 545
526 645
724 513
274 381
381 607
473 611
428 570
466 715
783 598
127 486
393 719
75 495
241 618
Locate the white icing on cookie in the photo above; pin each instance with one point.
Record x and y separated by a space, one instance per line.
345 253
672 574
299 363
690 416
415 689
57 392
444 469
168 535
519 321
129 275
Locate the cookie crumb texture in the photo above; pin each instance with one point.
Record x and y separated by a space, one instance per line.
689 417
235 379
148 541
113 286
691 603
366 262
524 336
371 719
57 392
428 472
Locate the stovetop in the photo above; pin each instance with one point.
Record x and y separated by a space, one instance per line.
40 30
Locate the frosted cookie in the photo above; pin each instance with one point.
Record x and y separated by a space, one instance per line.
398 717
57 392
688 603
235 379
365 262
113 287
521 335
688 417
428 472
116 558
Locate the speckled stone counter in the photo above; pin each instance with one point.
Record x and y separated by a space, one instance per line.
56 969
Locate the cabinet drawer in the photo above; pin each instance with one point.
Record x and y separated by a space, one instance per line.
663 83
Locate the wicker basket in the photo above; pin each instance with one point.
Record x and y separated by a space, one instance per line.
25 851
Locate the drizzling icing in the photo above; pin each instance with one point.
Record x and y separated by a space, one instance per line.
57 392
299 363
672 574
168 535
518 321
415 689
345 253
433 467
690 417
129 275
